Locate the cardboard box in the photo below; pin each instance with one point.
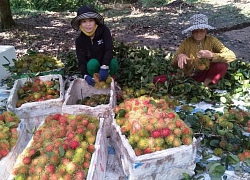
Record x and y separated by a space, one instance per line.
169 164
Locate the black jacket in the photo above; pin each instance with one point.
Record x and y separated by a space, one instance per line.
101 48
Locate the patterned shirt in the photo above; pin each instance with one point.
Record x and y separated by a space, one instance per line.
190 47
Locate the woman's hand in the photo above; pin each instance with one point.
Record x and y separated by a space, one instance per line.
182 59
205 54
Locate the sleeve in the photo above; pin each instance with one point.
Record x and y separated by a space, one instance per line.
181 50
81 56
108 54
221 53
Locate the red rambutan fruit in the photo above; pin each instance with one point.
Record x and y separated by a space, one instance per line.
73 144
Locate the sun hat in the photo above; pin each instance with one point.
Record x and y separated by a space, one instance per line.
198 21
85 12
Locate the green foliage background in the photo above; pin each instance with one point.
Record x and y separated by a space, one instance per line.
72 5
50 5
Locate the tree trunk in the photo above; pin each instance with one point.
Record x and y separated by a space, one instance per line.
6 20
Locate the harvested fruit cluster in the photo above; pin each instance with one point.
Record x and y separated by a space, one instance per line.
33 63
150 125
8 132
60 149
202 64
222 126
94 100
150 89
38 90
102 84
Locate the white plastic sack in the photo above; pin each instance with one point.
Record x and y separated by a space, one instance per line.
79 89
98 163
166 164
34 109
97 168
7 163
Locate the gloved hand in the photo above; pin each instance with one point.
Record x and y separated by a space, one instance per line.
89 80
103 73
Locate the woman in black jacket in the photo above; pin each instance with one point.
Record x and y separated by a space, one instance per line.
94 45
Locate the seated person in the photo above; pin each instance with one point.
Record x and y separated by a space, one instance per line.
94 45
201 56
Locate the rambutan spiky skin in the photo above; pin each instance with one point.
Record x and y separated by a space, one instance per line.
70 134
4 152
13 142
78 158
186 130
4 135
42 160
79 175
70 167
187 139
26 160
177 142
4 144
69 153
156 133
84 144
177 132
74 144
50 168
142 143
86 164
44 176
131 140
91 148
49 147
54 159
169 139
20 177
23 169
78 137
68 177
148 150
90 139
138 151
54 176
47 136
61 170
159 142
87 156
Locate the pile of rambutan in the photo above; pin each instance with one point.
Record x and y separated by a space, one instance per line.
36 90
61 148
8 132
150 125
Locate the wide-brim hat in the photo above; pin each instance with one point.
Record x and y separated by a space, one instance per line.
85 12
198 21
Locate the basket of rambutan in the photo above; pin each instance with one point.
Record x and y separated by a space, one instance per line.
65 147
152 141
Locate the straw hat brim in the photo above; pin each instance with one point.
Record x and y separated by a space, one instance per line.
92 15
198 26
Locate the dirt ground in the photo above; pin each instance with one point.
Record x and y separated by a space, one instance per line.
155 27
